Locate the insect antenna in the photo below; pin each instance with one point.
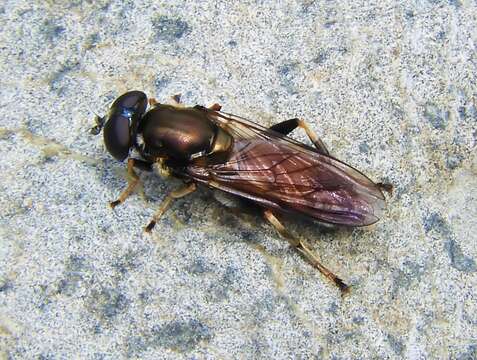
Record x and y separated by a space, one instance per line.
99 121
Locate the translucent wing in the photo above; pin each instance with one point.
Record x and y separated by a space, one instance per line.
280 173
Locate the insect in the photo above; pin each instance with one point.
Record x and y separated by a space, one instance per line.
228 153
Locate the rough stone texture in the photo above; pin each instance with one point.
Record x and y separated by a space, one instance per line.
391 87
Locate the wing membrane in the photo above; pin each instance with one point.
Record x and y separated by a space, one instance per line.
279 172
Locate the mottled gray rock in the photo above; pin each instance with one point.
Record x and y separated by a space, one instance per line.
391 88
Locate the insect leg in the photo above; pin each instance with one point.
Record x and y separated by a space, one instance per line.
216 107
176 194
152 102
142 165
386 187
287 126
320 145
175 100
133 180
304 249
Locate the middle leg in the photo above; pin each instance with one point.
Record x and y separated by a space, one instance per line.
176 194
133 180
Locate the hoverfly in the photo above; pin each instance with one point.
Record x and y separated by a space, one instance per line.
205 146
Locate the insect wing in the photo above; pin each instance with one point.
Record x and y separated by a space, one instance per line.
278 172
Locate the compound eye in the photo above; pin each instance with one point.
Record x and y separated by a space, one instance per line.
134 101
122 122
116 136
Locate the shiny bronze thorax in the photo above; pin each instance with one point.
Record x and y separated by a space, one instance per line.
181 135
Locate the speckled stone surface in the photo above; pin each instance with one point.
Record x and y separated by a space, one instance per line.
391 88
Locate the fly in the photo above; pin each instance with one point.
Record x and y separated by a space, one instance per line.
205 146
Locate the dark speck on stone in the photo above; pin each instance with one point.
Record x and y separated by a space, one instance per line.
169 29
180 335
329 24
144 296
363 148
321 58
7 134
108 303
434 221
259 347
333 309
470 354
46 357
358 320
73 275
92 40
436 117
199 266
409 14
308 6
58 30
349 335
51 31
230 275
472 112
441 35
5 286
411 273
458 260
127 262
395 344
58 77
288 73
161 82
232 43
136 345
286 69
342 50
219 290
264 307
455 3
453 161
97 329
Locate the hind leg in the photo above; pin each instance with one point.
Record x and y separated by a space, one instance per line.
304 249
386 187
287 126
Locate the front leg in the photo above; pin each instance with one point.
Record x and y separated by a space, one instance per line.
133 179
